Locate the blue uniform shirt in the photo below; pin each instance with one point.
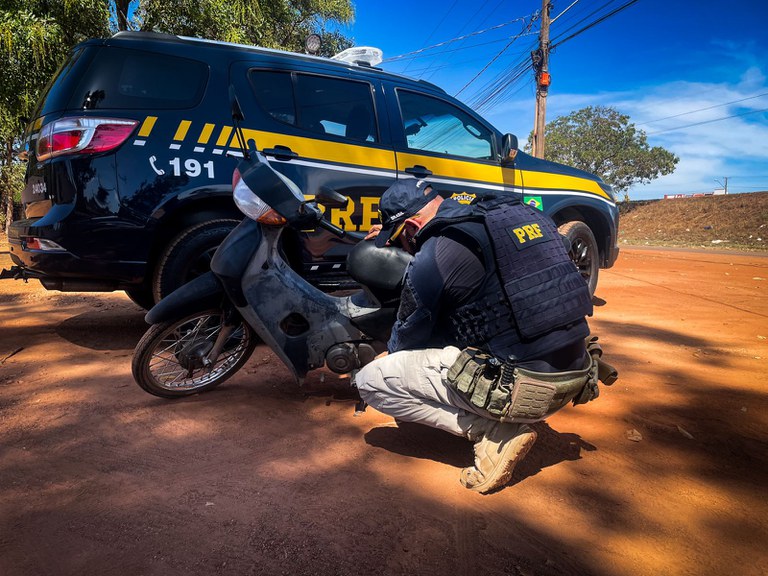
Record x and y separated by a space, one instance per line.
443 275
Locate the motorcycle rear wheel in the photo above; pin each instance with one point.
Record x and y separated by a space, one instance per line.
168 360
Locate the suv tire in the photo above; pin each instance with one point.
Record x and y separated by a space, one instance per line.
141 295
189 255
583 251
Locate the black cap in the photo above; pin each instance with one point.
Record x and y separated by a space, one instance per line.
399 202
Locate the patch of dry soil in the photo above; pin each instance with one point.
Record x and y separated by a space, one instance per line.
260 477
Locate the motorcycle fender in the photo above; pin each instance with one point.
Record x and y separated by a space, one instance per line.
201 293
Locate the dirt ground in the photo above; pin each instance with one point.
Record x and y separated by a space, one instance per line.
260 477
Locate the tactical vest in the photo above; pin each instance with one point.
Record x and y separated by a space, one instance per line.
532 293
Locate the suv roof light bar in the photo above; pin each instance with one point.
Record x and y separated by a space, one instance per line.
361 55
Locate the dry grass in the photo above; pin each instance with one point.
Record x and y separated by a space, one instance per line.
737 221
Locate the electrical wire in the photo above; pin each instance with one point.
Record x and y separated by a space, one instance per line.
470 35
564 11
435 29
430 71
527 29
707 121
501 89
582 19
594 23
702 109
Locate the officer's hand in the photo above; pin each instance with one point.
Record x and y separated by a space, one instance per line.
373 232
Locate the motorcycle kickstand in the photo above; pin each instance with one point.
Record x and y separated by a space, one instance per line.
361 404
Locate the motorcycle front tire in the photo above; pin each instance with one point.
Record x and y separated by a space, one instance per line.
168 360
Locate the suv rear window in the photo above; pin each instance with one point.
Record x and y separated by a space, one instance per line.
59 89
120 78
318 104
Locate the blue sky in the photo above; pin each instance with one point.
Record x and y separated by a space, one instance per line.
699 61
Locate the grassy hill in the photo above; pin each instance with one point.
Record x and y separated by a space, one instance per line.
735 221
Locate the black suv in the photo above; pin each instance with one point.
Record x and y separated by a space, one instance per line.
132 149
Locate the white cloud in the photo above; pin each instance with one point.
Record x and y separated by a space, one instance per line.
709 146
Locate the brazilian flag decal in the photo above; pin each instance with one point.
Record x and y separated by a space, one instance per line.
534 201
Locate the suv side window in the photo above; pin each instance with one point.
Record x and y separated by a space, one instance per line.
274 93
342 108
433 125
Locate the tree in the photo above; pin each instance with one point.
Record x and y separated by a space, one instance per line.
602 141
281 24
34 37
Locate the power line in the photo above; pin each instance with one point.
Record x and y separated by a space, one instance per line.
485 67
437 26
594 23
527 29
702 109
476 33
468 25
463 48
459 62
494 91
707 121
564 11
584 18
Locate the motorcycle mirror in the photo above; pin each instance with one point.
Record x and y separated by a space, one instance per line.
330 198
237 111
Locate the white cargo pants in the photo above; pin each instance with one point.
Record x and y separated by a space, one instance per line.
410 385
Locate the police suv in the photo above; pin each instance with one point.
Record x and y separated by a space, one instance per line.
131 153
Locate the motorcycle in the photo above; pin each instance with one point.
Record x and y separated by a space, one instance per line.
205 331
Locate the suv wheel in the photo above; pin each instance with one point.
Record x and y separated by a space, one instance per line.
141 295
583 251
189 255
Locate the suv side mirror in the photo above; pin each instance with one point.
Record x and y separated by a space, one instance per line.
508 150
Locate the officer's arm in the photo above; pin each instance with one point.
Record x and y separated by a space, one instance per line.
443 276
419 303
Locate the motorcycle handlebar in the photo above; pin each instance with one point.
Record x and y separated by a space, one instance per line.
332 228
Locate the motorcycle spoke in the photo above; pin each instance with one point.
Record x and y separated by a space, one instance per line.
166 365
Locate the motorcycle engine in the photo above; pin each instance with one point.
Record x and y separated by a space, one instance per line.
343 358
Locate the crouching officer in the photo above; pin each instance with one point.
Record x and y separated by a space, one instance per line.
491 332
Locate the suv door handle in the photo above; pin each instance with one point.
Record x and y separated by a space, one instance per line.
280 153
419 171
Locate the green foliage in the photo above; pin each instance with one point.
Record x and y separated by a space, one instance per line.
12 179
273 24
35 37
602 141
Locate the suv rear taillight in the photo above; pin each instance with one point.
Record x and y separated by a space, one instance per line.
83 135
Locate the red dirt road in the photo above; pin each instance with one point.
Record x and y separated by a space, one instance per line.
260 477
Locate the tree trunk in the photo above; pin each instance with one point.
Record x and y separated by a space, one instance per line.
122 7
8 216
6 190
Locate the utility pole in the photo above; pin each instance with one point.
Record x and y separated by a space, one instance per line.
540 59
725 186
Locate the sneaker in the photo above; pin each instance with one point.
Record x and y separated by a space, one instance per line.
496 455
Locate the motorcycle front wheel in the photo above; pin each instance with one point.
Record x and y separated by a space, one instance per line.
169 360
